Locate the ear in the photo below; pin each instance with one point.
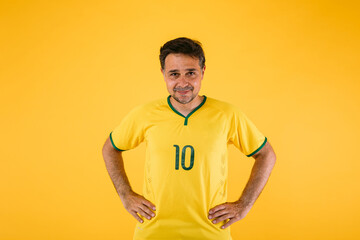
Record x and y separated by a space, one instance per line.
203 71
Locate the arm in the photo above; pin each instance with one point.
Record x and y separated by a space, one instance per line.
264 162
134 203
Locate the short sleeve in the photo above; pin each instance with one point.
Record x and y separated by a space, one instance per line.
129 133
245 135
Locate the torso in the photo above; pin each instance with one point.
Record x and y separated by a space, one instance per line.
185 171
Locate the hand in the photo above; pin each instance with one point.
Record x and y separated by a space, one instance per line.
136 204
234 211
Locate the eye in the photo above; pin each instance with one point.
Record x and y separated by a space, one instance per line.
174 74
191 73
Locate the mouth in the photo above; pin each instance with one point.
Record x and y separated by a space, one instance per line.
183 92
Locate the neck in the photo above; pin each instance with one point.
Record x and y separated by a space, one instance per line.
187 108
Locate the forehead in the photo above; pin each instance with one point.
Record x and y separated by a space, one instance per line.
179 61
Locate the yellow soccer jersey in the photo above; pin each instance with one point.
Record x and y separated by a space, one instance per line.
186 163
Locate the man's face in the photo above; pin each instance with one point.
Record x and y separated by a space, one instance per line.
183 76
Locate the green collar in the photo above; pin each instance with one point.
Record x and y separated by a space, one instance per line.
187 117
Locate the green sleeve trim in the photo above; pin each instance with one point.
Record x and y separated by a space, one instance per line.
112 142
262 145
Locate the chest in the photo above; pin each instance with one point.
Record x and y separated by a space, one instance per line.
172 143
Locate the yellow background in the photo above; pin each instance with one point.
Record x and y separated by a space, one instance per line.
70 70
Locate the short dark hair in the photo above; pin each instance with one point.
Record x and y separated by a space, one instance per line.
185 46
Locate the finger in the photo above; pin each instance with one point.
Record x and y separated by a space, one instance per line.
143 213
149 204
147 210
136 216
217 208
222 218
231 221
219 213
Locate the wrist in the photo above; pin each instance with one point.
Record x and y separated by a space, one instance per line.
243 203
125 192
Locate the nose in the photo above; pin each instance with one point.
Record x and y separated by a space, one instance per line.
182 81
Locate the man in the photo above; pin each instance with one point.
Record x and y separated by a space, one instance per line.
186 135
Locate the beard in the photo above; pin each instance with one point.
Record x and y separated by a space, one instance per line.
183 99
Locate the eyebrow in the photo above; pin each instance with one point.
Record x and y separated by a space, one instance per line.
189 69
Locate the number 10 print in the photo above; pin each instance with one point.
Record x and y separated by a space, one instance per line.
183 153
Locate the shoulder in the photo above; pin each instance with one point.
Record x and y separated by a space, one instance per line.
151 105
222 106
147 110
